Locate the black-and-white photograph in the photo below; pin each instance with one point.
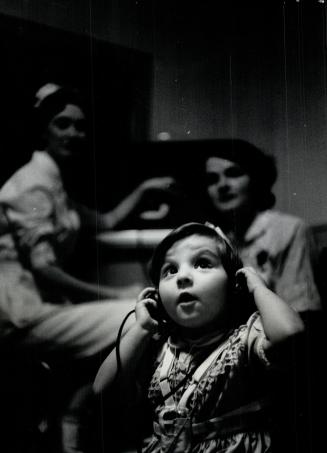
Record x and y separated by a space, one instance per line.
163 226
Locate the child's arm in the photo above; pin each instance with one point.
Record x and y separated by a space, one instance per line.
280 322
132 348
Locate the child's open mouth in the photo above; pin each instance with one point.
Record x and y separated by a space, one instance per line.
186 298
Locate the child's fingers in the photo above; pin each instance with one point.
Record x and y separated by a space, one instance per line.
149 302
253 278
145 293
248 273
146 306
145 314
247 269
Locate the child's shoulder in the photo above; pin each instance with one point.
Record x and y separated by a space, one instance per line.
254 321
251 329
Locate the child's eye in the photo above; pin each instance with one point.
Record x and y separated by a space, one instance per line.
203 263
168 269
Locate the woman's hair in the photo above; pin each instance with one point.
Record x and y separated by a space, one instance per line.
50 100
260 167
230 260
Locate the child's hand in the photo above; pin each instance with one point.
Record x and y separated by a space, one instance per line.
251 277
146 303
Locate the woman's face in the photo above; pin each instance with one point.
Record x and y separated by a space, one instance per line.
228 186
193 282
66 133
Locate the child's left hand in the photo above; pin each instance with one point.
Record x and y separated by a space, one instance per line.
252 279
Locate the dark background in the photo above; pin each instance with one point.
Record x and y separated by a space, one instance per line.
115 82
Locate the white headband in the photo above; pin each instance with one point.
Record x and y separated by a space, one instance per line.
44 92
220 232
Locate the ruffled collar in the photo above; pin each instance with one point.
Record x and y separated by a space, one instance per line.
201 342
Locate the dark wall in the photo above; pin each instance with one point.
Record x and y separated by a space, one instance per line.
255 70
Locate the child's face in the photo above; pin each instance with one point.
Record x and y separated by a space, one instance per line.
193 282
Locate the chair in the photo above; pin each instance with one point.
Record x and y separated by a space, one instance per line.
25 404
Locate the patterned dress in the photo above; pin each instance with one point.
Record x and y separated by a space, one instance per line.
227 411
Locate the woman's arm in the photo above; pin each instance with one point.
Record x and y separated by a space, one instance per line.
127 207
32 221
280 322
131 349
52 276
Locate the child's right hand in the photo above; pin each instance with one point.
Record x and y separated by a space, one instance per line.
146 303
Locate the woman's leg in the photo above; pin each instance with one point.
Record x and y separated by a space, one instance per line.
77 331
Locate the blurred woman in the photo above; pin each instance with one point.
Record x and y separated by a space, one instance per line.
39 229
40 307
238 182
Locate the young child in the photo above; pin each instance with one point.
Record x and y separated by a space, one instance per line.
208 382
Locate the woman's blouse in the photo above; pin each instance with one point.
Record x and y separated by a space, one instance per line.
39 224
278 246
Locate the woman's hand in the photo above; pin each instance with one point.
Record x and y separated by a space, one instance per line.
133 203
250 277
159 184
145 305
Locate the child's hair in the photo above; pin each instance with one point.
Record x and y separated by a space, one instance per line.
230 260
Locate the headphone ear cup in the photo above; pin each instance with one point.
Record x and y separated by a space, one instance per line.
241 284
237 288
161 309
160 313
245 299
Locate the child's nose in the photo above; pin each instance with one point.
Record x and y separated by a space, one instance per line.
184 278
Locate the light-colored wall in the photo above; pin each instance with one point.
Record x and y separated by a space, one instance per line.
261 77
215 77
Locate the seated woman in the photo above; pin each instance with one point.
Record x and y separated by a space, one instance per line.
39 224
237 193
238 182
